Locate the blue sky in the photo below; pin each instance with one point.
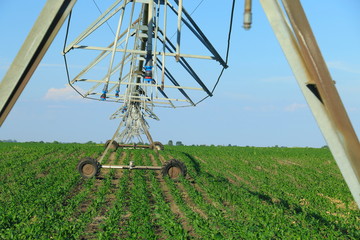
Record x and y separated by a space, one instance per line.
257 102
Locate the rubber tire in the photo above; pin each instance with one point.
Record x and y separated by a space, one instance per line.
91 165
157 146
174 163
114 145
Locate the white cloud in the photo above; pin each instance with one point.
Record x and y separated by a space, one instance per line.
353 109
268 108
236 96
294 107
61 94
248 108
52 65
57 107
261 108
343 67
278 79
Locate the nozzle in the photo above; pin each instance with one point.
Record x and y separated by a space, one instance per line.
247 15
103 96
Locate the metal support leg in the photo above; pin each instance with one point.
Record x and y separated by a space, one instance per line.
32 51
313 77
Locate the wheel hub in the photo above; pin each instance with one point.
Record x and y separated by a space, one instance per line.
174 172
88 169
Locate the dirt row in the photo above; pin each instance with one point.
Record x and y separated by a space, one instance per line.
94 225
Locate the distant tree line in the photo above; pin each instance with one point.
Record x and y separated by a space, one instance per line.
178 143
9 140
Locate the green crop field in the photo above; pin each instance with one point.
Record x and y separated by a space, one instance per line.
229 193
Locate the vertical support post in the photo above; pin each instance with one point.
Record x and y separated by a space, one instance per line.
125 48
312 75
164 46
179 30
149 48
32 51
113 52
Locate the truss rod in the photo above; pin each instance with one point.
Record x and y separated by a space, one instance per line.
102 55
139 84
187 67
173 80
197 31
105 89
143 52
96 24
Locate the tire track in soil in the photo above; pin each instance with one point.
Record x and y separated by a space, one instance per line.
227 210
105 171
161 158
77 155
170 200
84 205
223 207
119 173
188 199
43 158
93 227
241 180
124 220
204 194
232 181
77 188
190 202
96 155
157 228
201 160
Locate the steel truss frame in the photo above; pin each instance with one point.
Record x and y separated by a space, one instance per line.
137 86
139 54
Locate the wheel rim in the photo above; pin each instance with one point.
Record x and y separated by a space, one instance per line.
88 169
113 146
157 147
174 172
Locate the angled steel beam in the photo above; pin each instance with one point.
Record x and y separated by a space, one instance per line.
32 51
173 80
197 31
185 65
313 77
96 24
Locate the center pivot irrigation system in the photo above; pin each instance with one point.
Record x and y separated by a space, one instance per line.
140 68
135 69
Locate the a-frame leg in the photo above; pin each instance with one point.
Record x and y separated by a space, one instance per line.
313 77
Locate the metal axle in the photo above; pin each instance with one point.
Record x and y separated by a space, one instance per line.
173 168
131 167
